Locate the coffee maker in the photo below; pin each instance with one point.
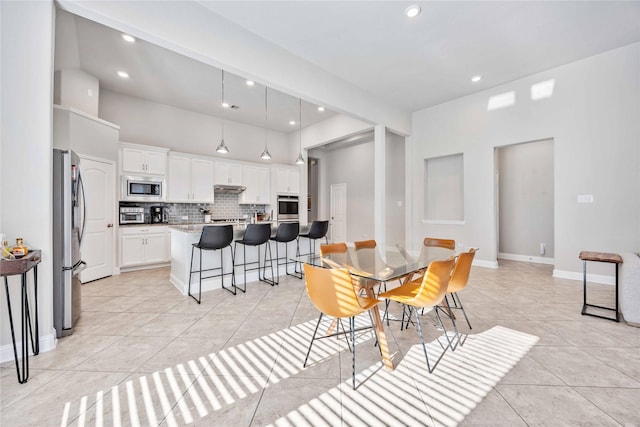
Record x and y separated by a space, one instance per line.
159 214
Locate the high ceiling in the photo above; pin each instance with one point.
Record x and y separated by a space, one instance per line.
161 75
409 64
417 63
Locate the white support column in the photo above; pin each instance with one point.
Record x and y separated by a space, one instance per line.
379 184
408 195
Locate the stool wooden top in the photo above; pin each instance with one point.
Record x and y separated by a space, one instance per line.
600 256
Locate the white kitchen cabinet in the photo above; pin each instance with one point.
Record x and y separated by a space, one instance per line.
257 181
227 174
190 179
143 160
144 245
287 180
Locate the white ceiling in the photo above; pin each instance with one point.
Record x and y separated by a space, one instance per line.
161 75
417 63
408 64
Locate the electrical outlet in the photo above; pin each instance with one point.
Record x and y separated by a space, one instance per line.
585 198
185 216
543 248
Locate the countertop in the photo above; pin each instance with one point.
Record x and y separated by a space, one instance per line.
197 228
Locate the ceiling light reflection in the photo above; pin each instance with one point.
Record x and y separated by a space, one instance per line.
413 11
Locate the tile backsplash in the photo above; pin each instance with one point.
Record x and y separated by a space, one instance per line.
225 207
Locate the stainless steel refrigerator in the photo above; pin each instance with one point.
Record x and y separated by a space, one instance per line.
69 215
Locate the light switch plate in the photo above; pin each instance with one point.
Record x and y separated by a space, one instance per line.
585 198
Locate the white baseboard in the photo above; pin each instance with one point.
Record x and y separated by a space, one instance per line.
485 264
526 258
143 267
47 343
591 278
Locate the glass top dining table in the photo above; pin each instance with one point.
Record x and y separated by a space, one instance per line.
373 269
368 263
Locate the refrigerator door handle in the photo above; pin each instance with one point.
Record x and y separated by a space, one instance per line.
84 209
76 268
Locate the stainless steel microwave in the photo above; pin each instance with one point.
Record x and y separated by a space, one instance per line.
143 189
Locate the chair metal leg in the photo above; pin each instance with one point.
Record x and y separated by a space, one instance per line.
443 328
456 296
296 265
278 261
191 273
313 337
352 324
271 281
235 282
233 272
453 321
424 346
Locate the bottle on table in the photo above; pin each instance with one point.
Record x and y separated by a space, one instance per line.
19 250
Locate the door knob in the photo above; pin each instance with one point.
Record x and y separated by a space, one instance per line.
109 225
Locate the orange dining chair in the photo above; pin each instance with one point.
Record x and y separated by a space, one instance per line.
459 280
333 248
365 244
432 242
332 292
427 291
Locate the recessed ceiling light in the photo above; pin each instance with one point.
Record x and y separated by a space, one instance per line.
321 109
123 74
225 104
292 122
476 79
128 38
413 11
250 83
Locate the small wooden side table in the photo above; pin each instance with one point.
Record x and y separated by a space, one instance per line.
599 257
21 266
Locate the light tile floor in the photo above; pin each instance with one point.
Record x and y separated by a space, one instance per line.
143 354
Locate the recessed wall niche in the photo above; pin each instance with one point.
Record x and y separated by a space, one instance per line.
444 188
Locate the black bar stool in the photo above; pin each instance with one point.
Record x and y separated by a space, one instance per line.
317 231
287 232
256 235
213 237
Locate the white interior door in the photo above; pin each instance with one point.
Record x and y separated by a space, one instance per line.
338 211
97 248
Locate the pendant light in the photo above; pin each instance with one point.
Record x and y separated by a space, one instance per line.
300 159
265 154
222 148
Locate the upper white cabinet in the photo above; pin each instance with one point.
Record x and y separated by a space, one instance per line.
227 173
142 159
257 181
190 179
287 179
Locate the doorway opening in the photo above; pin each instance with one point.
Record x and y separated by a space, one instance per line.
525 201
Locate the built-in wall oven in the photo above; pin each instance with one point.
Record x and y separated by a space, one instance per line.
288 208
143 189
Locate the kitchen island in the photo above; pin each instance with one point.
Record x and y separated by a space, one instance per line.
184 236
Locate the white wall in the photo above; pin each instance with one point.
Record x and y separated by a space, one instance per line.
84 134
26 68
151 123
593 119
78 89
395 189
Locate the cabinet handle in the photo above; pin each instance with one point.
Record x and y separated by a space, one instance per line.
109 225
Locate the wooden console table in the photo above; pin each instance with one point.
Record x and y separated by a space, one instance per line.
21 266
599 257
